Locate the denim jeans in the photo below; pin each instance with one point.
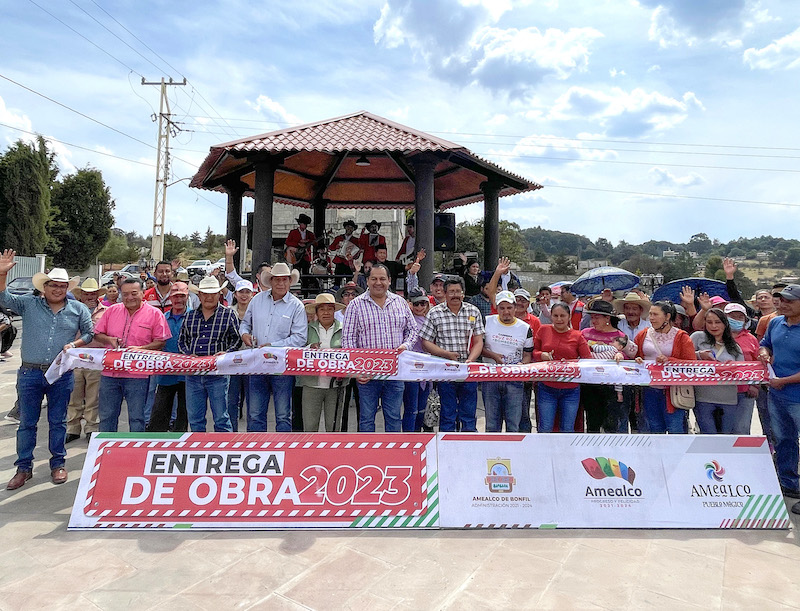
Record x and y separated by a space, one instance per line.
731 415
238 394
459 401
203 391
112 392
658 419
744 416
32 387
561 401
525 424
415 400
261 389
503 403
390 395
785 419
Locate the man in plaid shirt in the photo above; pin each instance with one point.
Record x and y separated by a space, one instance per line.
379 319
454 331
205 332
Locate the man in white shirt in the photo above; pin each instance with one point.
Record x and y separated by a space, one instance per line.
508 341
635 306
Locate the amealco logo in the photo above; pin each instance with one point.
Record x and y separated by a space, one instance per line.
601 468
718 488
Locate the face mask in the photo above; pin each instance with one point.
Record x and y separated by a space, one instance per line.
736 325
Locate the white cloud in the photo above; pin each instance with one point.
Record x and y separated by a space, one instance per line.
615 73
783 53
665 178
461 44
272 110
625 113
498 119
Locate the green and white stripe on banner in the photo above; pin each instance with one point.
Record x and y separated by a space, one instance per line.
429 519
761 511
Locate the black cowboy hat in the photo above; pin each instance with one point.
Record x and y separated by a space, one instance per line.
373 222
304 218
598 306
349 222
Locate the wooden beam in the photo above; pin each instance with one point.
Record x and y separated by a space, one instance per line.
401 163
326 179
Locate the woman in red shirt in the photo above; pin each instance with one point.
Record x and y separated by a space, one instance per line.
663 343
557 342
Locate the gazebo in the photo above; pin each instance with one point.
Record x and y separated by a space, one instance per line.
359 160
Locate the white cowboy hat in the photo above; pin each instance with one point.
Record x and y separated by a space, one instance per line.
57 274
89 286
323 299
280 270
209 284
632 298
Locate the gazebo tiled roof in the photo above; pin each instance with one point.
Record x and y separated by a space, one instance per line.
318 161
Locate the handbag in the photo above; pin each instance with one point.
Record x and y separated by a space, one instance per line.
681 397
432 409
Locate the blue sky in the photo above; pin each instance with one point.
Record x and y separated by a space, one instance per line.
654 119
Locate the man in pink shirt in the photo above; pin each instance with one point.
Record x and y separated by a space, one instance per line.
130 324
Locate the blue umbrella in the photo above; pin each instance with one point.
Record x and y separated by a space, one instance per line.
672 290
595 280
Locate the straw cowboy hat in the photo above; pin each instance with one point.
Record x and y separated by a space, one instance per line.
280 270
57 274
89 286
323 299
209 284
619 304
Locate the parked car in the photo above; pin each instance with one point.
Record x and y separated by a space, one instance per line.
132 268
109 276
201 266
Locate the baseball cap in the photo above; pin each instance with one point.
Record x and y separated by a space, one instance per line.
180 288
717 300
242 285
735 307
416 295
506 296
439 278
679 309
791 292
522 293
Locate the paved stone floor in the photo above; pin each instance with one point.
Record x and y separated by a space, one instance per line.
42 566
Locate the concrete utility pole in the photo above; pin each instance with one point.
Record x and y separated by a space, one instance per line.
165 125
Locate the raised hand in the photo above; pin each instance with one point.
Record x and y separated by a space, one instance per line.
729 267
421 254
7 261
705 301
231 248
176 263
687 295
503 265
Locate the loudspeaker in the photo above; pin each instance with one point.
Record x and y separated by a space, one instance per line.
444 231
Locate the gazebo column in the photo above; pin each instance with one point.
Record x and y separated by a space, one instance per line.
491 224
262 212
234 228
319 206
424 166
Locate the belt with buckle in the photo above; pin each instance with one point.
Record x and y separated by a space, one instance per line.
40 366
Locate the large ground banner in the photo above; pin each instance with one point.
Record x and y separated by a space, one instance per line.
608 481
283 480
258 481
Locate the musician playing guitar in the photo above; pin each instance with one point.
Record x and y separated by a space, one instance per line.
406 253
299 244
368 241
345 249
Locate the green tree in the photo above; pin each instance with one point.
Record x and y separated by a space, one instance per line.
469 237
684 266
82 218
26 175
713 265
792 257
173 246
115 249
700 243
195 239
562 266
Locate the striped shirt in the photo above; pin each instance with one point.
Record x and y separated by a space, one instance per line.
368 325
206 337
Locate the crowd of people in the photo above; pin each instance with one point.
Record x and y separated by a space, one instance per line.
500 322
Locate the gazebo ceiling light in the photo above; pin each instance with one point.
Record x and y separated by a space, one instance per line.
362 161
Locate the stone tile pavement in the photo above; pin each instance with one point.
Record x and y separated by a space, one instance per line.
42 566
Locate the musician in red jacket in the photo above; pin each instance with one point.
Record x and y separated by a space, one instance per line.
370 240
299 245
344 249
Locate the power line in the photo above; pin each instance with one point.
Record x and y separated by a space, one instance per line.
712 199
77 112
521 136
113 34
116 59
77 146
